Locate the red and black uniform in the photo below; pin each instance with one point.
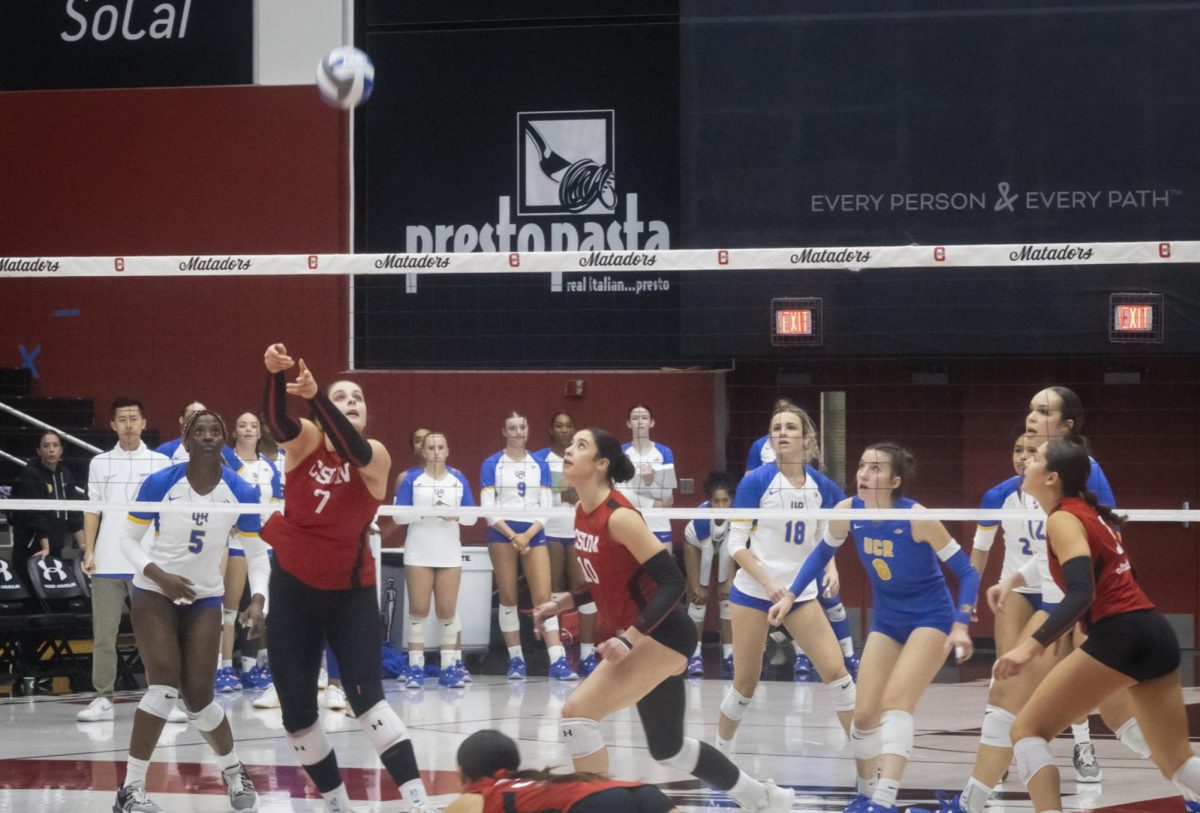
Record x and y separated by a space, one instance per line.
504 793
1124 630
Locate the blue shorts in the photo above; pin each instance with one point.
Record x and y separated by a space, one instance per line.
187 609
558 540
1034 599
1047 607
494 536
664 537
899 626
739 598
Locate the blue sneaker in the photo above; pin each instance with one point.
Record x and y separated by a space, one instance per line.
516 669
802 667
415 679
227 680
561 670
727 667
852 663
588 665
462 670
254 678
858 805
451 678
395 661
695 667
875 807
948 803
1191 807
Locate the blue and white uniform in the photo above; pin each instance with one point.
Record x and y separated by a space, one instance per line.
508 483
434 541
559 529
191 544
761 452
263 475
780 545
1020 535
642 495
711 536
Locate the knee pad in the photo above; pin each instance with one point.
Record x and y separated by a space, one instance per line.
836 613
866 742
844 693
228 617
587 608
735 704
159 700
1131 735
581 736
509 620
696 612
1187 779
685 758
383 726
550 624
723 609
896 733
1033 754
208 718
310 745
416 631
449 632
997 726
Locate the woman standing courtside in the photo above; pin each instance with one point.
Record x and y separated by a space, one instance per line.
323 583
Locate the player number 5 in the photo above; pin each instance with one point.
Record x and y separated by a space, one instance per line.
196 543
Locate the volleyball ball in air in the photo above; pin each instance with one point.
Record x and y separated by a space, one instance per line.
345 77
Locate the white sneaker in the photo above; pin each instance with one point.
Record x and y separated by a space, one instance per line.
322 680
101 708
269 699
778 800
335 697
177 715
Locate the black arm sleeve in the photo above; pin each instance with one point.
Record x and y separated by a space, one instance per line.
1077 573
346 440
669 586
283 427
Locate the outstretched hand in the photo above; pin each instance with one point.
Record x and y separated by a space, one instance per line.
305 385
276 358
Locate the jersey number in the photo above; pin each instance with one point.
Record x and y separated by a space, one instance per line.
521 489
589 571
324 495
196 543
1026 547
794 532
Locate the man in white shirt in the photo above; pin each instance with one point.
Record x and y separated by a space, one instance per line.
113 476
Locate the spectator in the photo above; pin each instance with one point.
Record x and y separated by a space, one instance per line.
45 533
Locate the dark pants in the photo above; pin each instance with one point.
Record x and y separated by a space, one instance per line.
303 619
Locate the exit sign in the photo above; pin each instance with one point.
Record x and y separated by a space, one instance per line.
796 321
1135 318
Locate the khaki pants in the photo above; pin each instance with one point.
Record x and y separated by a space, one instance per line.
108 604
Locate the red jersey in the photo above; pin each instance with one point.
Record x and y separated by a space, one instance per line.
321 537
504 794
1116 591
614 577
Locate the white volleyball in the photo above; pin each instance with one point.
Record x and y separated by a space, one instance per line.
345 77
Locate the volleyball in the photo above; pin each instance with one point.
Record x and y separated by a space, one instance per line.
345 77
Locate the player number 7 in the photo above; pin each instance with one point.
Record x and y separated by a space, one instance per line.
324 495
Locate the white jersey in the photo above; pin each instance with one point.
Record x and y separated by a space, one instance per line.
434 541
712 538
661 461
266 477
1051 592
191 544
781 546
116 476
557 527
508 483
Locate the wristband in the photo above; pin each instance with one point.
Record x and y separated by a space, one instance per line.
625 641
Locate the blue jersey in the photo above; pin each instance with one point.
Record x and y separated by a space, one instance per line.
761 452
906 576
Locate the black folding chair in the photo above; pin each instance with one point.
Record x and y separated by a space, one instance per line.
61 597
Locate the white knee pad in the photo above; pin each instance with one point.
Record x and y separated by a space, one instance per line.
509 620
997 725
866 742
550 624
844 693
581 736
723 609
383 726
735 704
696 612
416 631
228 617
686 759
310 745
1131 735
1187 779
449 632
896 733
1033 754
159 700
587 608
836 613
208 718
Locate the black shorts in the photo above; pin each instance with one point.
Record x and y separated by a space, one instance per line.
1140 644
676 632
640 799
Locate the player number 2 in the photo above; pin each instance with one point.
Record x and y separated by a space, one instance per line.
324 495
589 571
794 532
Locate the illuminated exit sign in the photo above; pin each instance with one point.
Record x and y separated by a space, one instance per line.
796 321
1135 318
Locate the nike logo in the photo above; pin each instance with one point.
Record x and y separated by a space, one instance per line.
172 498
